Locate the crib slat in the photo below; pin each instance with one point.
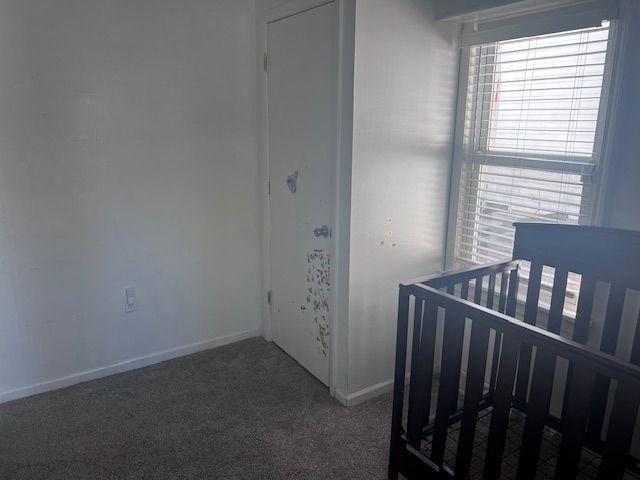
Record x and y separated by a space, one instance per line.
509 294
612 320
598 407
557 300
478 346
533 294
608 345
464 293
512 296
398 385
635 350
530 316
558 294
448 388
537 411
477 290
416 396
581 325
477 299
422 375
497 346
574 420
464 290
491 293
502 302
620 431
501 407
584 309
491 290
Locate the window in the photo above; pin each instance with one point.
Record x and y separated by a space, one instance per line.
531 140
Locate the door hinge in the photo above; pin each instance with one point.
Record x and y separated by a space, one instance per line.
266 62
269 297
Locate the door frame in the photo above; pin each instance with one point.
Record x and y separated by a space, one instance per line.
339 250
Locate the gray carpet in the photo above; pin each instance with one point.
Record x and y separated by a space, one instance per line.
243 411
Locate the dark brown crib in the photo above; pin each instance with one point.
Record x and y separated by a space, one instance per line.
510 375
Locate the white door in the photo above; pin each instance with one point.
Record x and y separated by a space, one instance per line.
301 78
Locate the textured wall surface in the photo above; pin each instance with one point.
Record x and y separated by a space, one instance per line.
406 69
622 208
127 156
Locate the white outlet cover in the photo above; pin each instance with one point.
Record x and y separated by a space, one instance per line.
130 300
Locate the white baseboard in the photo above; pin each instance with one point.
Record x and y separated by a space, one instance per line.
341 397
367 393
125 365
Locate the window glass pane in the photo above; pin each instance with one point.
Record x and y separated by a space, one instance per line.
541 95
497 196
531 124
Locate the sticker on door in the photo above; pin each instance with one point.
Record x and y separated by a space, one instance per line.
318 286
292 182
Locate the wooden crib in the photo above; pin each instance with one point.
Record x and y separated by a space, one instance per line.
506 378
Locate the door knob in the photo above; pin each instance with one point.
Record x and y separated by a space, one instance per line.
322 231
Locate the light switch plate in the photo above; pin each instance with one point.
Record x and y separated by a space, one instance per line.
130 299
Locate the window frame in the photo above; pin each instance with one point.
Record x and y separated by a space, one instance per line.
596 181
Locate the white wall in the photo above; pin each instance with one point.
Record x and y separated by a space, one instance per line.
453 8
475 9
127 156
406 69
622 208
262 6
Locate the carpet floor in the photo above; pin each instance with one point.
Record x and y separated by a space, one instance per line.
243 411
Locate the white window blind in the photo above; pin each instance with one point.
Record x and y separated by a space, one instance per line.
531 139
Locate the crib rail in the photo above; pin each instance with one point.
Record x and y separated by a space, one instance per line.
440 317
